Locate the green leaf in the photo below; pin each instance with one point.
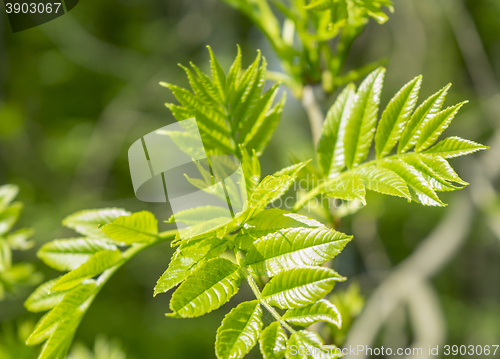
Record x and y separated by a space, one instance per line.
300 287
308 345
436 182
453 147
239 331
362 120
187 258
415 181
42 299
264 127
428 109
321 311
19 239
251 169
291 247
71 303
136 228
234 73
210 286
292 171
194 216
441 168
272 342
435 126
270 189
87 222
7 194
348 187
229 112
59 342
383 180
9 217
269 221
395 117
330 146
218 76
207 83
98 263
198 88
68 254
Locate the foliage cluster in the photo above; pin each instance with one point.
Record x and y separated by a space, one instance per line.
280 254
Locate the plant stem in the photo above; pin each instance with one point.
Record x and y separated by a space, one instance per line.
258 295
314 112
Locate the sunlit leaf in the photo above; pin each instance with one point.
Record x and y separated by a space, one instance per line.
87 222
395 117
43 299
136 228
360 126
383 180
330 145
300 287
68 254
189 256
210 286
291 247
239 331
428 109
321 311
98 263
70 305
435 126
272 342
453 147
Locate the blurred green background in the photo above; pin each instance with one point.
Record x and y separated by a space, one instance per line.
75 93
